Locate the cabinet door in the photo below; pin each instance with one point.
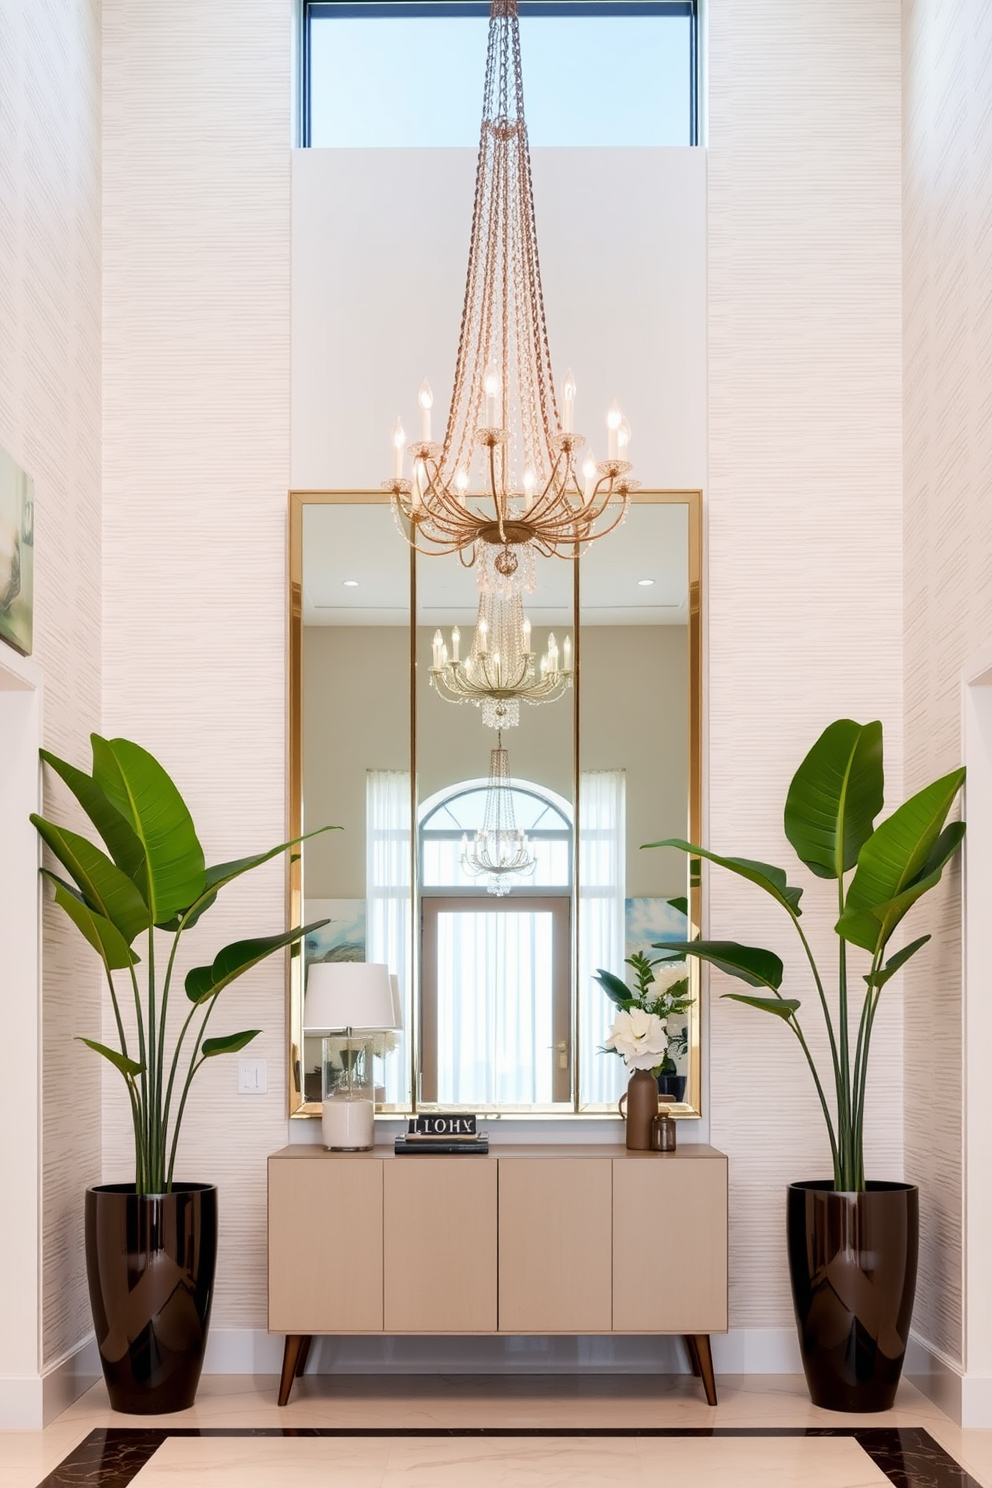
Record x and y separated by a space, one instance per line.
670 1245
555 1245
325 1245
439 1223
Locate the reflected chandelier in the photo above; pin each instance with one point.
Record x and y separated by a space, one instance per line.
499 670
504 413
499 849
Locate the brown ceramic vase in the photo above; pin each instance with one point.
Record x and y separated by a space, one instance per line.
852 1258
641 1098
150 1264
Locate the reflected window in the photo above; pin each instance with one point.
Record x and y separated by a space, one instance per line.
496 971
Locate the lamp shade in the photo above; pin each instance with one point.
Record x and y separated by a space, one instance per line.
394 983
348 994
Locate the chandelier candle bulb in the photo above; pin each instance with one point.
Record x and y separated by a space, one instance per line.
526 633
589 473
399 443
623 439
456 640
426 400
567 653
482 637
568 402
614 418
552 653
437 646
530 483
491 387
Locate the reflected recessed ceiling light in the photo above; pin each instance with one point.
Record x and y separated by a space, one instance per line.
351 583
644 583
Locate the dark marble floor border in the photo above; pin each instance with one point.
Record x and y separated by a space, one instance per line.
111 1456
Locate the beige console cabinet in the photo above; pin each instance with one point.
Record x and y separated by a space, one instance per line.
528 1239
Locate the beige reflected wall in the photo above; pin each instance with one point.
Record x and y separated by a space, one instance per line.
356 714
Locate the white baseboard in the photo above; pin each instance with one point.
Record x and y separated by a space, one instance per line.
742 1351
65 1381
966 1398
31 1402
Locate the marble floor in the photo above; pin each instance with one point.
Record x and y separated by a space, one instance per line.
522 1403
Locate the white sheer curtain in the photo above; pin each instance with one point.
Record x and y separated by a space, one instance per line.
388 903
602 888
494 1005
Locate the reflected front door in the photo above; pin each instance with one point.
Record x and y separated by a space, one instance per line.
495 1000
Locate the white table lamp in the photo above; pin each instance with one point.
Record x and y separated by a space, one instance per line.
353 998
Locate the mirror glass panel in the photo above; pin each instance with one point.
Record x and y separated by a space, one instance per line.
500 1010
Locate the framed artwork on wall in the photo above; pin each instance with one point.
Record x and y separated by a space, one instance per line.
343 939
16 555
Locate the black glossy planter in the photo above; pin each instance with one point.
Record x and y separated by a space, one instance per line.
852 1258
150 1265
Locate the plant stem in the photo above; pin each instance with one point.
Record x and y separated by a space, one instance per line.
154 1115
844 1131
194 1065
141 1056
794 1025
175 1063
823 999
163 1020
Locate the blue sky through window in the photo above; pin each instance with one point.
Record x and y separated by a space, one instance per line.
417 81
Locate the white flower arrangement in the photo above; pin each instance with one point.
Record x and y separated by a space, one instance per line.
640 1038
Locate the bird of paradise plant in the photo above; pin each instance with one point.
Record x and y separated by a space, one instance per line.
152 881
830 812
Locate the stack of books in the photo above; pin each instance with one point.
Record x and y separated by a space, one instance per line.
447 1135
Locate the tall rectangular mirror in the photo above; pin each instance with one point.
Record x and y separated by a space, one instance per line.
391 741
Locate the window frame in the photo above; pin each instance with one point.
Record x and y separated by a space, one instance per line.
311 10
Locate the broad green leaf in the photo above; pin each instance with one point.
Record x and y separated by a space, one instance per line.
896 963
230 1043
102 884
835 796
221 874
118 1060
782 1007
616 990
908 846
681 905
765 875
140 789
751 964
234 960
103 936
122 843
873 928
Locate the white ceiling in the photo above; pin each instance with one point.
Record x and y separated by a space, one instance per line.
361 543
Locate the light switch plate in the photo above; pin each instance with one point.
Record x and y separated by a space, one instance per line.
253 1076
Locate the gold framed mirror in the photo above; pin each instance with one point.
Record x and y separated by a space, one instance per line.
500 1010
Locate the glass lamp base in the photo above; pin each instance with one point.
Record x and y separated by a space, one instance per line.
346 1123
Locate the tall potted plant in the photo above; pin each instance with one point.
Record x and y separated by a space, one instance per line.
150 1245
852 1242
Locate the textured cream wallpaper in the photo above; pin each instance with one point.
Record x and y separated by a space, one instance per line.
947 143
804 506
804 532
50 422
196 466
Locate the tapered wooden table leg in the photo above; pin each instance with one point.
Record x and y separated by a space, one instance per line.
301 1363
290 1360
690 1344
705 1358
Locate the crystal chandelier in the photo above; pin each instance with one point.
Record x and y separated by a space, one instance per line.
499 848
500 670
503 418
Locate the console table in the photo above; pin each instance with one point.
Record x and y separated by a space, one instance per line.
529 1239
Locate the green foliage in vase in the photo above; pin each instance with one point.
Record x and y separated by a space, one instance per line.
880 872
666 998
152 881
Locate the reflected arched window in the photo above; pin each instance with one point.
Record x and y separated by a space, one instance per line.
495 971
